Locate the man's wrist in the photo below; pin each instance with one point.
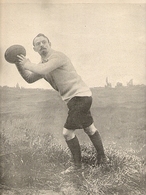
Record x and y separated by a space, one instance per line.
29 66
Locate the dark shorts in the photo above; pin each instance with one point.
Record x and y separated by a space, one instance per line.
79 115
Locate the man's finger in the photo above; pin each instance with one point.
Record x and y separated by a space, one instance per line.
20 57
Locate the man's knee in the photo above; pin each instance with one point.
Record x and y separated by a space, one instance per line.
68 134
90 130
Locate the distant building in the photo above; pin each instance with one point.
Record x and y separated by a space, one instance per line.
130 83
107 83
17 86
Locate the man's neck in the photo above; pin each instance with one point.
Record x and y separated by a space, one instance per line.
45 56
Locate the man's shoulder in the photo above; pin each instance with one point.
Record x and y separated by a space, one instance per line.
61 57
58 54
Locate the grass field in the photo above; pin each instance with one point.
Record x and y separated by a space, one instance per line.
33 150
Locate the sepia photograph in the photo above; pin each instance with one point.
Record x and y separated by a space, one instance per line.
72 97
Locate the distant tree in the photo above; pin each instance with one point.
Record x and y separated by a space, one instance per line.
119 84
5 87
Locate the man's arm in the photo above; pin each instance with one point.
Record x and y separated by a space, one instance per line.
27 75
42 68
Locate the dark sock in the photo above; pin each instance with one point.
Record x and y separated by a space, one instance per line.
74 147
96 140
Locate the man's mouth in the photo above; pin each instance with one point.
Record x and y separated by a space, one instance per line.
42 48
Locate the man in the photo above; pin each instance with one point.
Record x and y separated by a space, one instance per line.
57 69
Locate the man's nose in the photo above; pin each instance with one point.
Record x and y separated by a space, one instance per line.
41 43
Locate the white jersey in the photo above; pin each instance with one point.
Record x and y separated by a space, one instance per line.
65 79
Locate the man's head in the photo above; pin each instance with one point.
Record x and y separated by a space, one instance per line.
41 44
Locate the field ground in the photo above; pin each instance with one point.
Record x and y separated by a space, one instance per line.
33 150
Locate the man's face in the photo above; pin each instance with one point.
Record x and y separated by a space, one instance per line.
41 45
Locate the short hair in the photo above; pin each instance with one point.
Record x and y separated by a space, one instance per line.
41 35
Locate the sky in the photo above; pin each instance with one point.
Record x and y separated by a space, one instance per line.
101 39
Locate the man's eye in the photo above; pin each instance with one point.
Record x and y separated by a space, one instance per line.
37 44
44 42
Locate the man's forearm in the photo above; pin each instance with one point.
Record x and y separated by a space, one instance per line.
27 75
43 68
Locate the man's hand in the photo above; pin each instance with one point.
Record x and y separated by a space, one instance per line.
23 61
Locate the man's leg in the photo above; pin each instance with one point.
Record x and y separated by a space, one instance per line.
95 138
74 146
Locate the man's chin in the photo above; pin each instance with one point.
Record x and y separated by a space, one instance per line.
43 52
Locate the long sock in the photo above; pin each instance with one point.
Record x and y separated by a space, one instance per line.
96 140
74 147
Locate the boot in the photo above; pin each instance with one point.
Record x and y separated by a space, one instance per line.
96 140
74 147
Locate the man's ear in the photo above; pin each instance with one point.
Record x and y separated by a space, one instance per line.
34 49
50 43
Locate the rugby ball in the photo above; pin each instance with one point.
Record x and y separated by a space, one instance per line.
12 52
